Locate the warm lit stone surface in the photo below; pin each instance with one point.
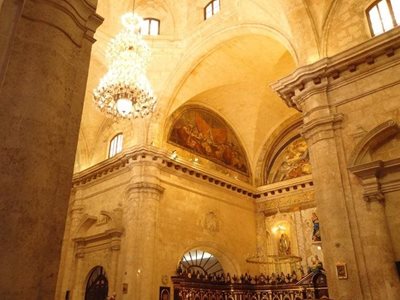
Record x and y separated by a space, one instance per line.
351 122
138 213
42 97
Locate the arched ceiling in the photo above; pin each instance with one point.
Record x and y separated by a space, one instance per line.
197 61
234 81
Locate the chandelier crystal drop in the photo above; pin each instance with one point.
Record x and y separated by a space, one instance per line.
125 91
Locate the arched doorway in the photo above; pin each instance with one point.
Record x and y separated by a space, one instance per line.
97 285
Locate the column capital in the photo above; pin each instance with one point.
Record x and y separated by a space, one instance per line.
150 189
321 128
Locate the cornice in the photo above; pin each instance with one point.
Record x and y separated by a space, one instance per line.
370 174
109 239
323 74
162 158
284 196
278 189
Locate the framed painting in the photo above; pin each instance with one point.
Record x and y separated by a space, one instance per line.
341 271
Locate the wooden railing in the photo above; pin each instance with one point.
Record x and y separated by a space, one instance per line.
312 286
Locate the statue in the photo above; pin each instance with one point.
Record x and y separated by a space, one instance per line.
316 264
316 237
284 245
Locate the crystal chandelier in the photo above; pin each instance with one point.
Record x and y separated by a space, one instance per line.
125 91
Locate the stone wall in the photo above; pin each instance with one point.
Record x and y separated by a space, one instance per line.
188 213
350 105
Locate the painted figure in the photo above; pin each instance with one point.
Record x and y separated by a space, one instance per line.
316 237
207 135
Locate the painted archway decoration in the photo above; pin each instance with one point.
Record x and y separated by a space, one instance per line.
293 161
204 133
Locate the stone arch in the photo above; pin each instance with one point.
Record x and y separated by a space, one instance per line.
287 131
229 265
371 141
184 110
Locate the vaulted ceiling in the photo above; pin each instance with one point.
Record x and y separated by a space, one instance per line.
225 63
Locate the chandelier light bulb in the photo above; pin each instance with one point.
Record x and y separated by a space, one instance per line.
125 91
124 106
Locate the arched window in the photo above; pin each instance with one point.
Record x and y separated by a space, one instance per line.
383 15
150 26
211 9
97 285
200 261
115 145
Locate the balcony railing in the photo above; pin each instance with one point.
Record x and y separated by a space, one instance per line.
223 287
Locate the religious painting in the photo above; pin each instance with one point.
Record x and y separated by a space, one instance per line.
164 293
292 162
316 235
341 271
202 132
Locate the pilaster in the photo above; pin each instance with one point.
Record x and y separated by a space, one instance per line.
141 220
353 224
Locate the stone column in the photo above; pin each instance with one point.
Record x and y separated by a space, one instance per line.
382 275
78 291
320 128
353 231
112 275
261 238
41 92
140 222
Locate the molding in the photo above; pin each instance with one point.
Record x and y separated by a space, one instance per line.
370 174
290 202
278 189
144 188
324 74
372 139
321 128
62 14
292 194
162 159
111 239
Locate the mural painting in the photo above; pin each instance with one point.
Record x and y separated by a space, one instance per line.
204 133
292 162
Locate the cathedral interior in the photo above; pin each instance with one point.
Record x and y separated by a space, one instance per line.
264 166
